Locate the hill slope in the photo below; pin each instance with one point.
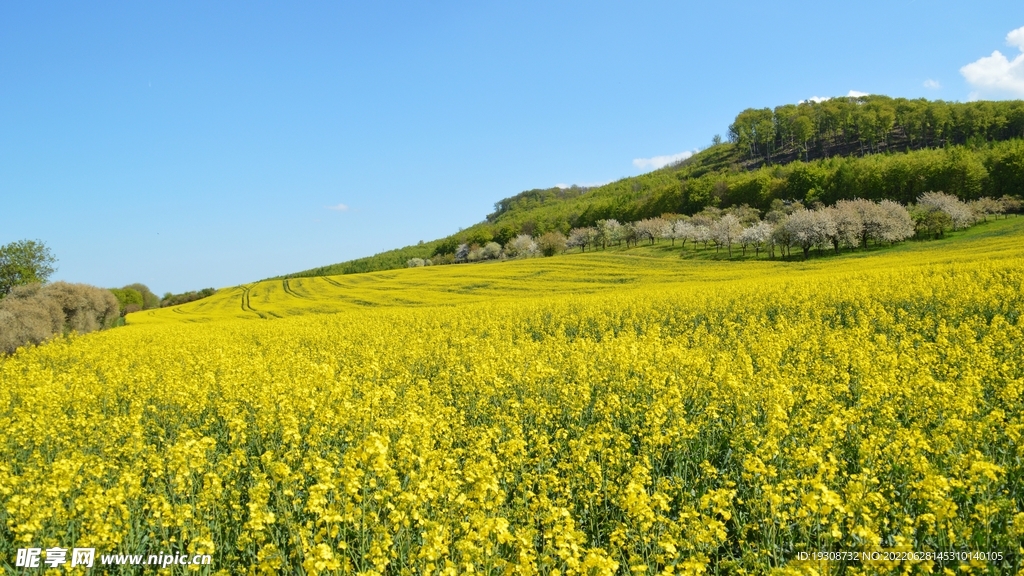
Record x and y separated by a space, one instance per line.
611 271
870 147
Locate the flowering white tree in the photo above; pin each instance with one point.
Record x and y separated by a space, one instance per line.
491 251
475 254
629 233
726 231
984 207
849 225
581 237
872 218
672 229
702 234
1010 204
611 230
757 235
650 229
683 230
898 223
522 246
959 213
809 228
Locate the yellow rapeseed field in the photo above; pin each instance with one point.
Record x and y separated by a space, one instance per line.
587 414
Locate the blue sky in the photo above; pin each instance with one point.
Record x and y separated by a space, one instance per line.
191 144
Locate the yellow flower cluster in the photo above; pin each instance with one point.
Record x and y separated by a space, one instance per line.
654 430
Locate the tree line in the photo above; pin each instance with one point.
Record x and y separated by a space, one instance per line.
136 297
32 310
848 224
870 124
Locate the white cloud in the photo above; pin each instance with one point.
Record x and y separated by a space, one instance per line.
660 161
932 84
997 74
820 99
1016 38
338 207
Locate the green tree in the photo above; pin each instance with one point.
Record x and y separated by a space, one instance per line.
128 299
24 262
149 299
803 130
931 222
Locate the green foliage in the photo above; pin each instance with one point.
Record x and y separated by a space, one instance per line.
24 262
931 222
128 300
870 124
447 246
149 299
175 299
533 198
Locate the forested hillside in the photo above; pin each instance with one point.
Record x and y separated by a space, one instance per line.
870 124
871 147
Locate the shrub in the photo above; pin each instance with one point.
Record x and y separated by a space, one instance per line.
521 246
33 313
26 317
551 243
86 308
491 251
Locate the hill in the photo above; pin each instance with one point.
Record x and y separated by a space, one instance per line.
869 147
615 270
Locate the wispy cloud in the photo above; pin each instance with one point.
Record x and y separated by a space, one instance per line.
338 207
660 161
856 94
997 74
932 84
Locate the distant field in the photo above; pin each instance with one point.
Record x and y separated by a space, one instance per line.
626 412
616 269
